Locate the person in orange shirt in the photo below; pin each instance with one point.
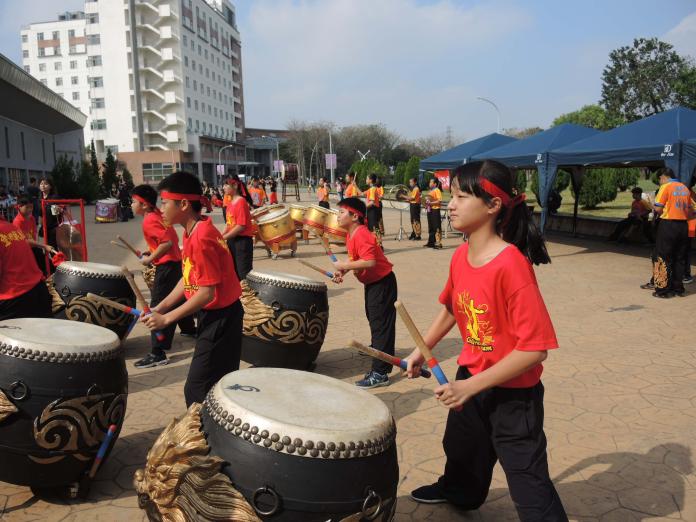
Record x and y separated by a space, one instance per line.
673 205
414 200
239 232
433 202
374 205
323 193
352 190
258 195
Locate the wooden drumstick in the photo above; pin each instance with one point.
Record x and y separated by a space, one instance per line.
328 274
129 246
139 298
331 255
114 304
391 359
119 245
422 347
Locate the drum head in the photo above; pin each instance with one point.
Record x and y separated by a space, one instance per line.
91 269
40 339
285 280
301 409
319 209
273 215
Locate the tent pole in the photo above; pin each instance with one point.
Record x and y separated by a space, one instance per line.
574 178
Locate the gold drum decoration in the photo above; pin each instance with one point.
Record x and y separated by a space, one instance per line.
315 219
297 213
332 232
277 230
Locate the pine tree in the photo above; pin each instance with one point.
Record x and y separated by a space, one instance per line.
108 177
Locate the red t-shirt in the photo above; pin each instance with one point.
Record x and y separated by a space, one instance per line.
238 213
208 262
362 245
26 225
498 308
17 274
157 232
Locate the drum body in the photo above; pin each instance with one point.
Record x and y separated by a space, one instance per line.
73 280
276 227
332 231
315 219
285 319
258 213
297 213
62 383
303 446
106 211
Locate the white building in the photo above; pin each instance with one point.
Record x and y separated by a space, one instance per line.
164 83
55 53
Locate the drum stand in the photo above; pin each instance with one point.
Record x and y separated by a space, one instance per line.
400 234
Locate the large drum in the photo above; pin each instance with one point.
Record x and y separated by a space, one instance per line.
297 213
302 446
106 211
277 230
315 219
62 384
73 280
332 232
285 319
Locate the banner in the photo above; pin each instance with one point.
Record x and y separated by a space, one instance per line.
330 161
277 165
444 177
220 169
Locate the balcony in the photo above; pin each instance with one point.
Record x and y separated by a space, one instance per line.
141 4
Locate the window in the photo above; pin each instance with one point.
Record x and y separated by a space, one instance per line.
97 103
39 37
56 35
57 66
98 125
94 61
200 50
200 69
75 96
25 53
93 39
195 104
156 172
195 85
208 90
206 54
92 18
207 72
187 82
188 102
8 147
71 33
44 81
73 64
96 81
25 38
27 69
215 111
186 61
185 40
190 124
59 82
193 64
193 45
74 80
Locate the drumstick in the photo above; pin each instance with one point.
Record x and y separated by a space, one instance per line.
139 298
115 305
129 246
102 450
396 361
422 347
328 274
331 255
119 245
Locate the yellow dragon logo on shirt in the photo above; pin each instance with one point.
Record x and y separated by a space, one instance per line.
187 266
480 331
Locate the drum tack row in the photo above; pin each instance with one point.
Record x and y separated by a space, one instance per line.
253 451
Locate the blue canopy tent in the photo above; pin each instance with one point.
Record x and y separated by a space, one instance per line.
461 154
533 153
654 141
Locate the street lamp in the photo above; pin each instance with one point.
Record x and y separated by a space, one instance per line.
277 141
220 158
497 110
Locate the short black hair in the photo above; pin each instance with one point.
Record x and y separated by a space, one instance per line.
637 190
32 179
148 193
183 183
355 204
23 199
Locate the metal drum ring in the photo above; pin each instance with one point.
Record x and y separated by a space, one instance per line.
371 495
19 385
268 491
91 389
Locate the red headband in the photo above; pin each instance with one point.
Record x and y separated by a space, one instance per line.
236 182
188 197
497 192
353 211
146 203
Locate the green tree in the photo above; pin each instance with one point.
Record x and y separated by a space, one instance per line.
646 78
522 133
592 116
108 176
626 178
94 164
363 169
63 174
521 181
88 183
127 178
411 170
598 186
562 182
400 173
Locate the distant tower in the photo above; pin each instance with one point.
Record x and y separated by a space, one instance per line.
448 137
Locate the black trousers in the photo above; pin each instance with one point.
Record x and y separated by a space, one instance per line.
434 227
380 297
687 259
217 352
623 226
34 303
167 276
670 253
242 249
372 218
415 212
505 424
324 204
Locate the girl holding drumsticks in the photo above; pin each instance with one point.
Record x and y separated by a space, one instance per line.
492 295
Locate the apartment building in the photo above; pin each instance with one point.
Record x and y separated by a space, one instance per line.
164 83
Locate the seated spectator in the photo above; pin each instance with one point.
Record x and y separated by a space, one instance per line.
639 216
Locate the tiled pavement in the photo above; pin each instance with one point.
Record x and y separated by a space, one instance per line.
620 393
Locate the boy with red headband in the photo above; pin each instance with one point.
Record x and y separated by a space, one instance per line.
209 284
374 270
163 243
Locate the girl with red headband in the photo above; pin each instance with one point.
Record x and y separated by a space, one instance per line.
238 231
164 253
369 264
496 403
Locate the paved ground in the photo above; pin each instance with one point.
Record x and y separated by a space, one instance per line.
620 393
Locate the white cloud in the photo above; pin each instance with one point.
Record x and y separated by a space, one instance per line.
394 61
683 36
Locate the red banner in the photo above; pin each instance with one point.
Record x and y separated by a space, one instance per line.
444 177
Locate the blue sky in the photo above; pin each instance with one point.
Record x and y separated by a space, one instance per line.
418 66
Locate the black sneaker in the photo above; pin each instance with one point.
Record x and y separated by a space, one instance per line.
648 286
431 494
373 379
192 335
151 360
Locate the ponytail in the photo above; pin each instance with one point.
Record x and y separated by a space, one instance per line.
515 222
